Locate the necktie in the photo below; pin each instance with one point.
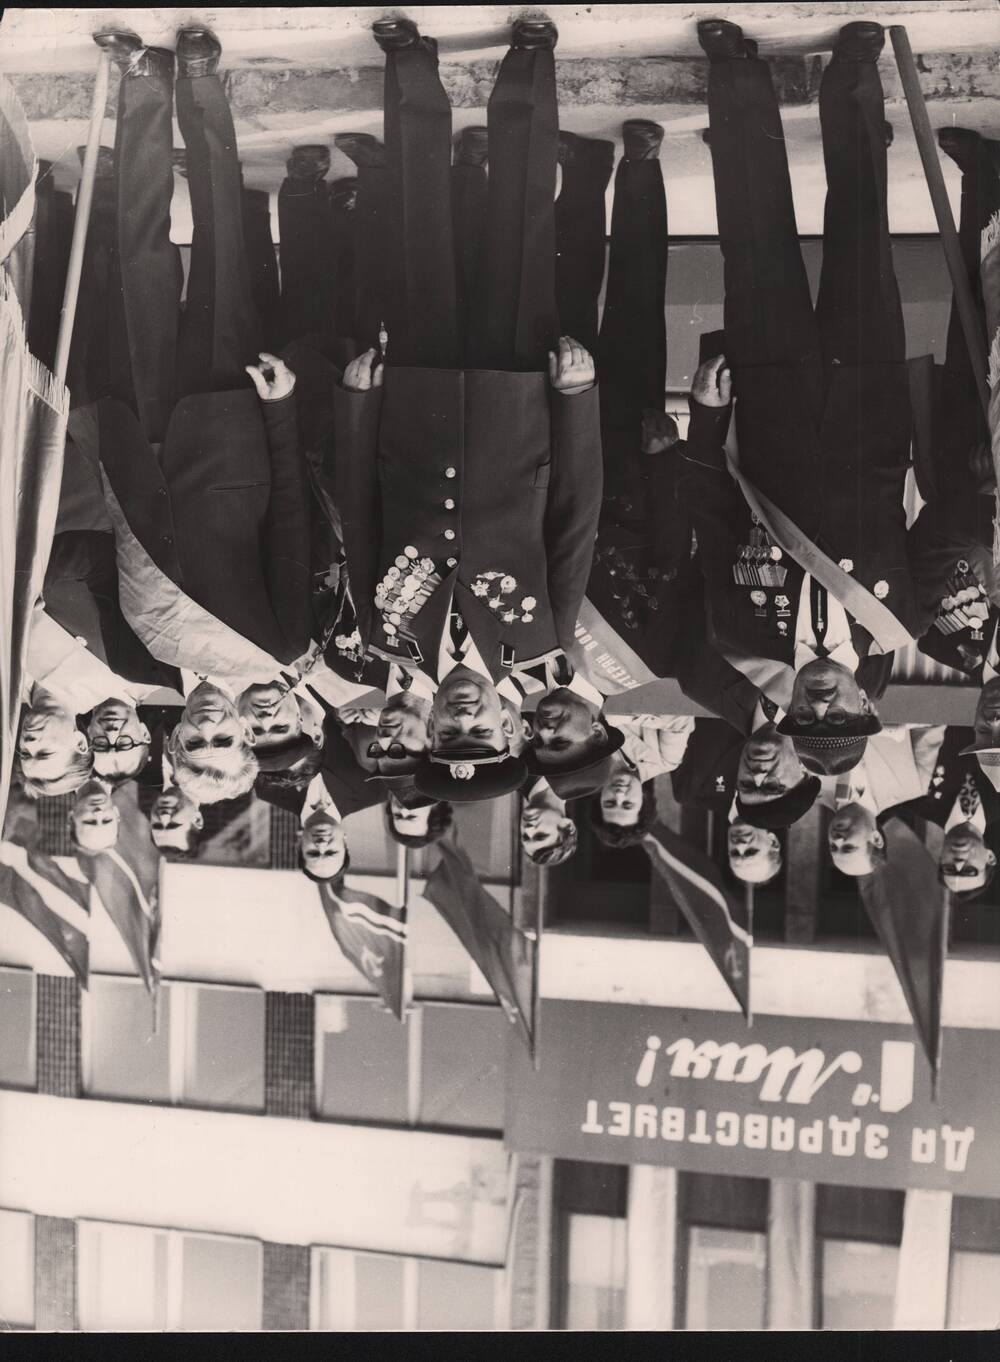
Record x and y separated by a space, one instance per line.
968 798
457 631
818 608
769 708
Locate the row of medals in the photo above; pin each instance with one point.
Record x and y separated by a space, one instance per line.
966 606
759 562
405 589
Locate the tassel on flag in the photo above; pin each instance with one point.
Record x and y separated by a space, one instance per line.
33 885
909 911
504 954
372 934
720 923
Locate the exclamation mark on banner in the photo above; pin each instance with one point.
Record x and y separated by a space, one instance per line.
896 1079
644 1074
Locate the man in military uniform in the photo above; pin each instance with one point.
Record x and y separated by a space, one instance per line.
964 802
803 538
468 467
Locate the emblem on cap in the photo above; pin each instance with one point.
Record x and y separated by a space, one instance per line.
881 590
461 770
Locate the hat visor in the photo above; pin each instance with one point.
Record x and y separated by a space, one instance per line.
823 735
580 760
983 745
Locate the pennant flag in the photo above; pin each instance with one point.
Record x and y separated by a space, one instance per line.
506 956
720 923
909 910
989 274
134 912
56 905
372 934
35 409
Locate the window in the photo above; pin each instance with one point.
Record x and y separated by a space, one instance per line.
859 1230
378 1292
723 1263
589 1239
17 1028
974 1279
725 1279
444 1067
196 1044
17 1278
135 1278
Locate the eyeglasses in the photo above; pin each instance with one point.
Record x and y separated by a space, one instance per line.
963 872
395 751
122 745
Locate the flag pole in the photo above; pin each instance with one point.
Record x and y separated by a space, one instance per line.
748 890
924 136
402 897
536 967
81 218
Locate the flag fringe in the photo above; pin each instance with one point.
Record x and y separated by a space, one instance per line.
994 362
18 220
39 380
990 238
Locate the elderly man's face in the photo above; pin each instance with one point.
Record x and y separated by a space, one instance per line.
272 711
95 818
754 853
323 847
621 799
987 720
172 820
769 767
565 726
119 738
826 692
47 741
467 712
210 731
852 837
965 859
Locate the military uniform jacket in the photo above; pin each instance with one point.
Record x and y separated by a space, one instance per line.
757 621
224 511
949 775
481 484
834 461
951 543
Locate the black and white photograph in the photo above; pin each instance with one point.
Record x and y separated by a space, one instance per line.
500 670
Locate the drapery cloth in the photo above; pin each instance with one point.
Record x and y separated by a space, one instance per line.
32 433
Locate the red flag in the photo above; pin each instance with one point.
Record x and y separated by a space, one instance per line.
504 954
133 911
720 923
56 905
372 934
909 910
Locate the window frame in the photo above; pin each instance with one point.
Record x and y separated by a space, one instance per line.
736 1209
865 1229
23 971
411 1286
25 1325
414 1030
90 1228
181 1047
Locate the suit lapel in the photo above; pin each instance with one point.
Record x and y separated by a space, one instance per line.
485 626
431 623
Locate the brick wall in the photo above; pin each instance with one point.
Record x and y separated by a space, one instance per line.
53 824
531 1246
55 1273
58 1036
286 1286
288 1055
284 839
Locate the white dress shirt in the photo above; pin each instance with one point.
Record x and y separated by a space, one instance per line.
838 644
991 666
655 743
65 667
318 800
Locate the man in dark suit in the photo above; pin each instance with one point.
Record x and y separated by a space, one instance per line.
209 480
963 801
951 542
469 478
822 404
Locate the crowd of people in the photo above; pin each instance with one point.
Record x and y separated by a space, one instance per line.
325 532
